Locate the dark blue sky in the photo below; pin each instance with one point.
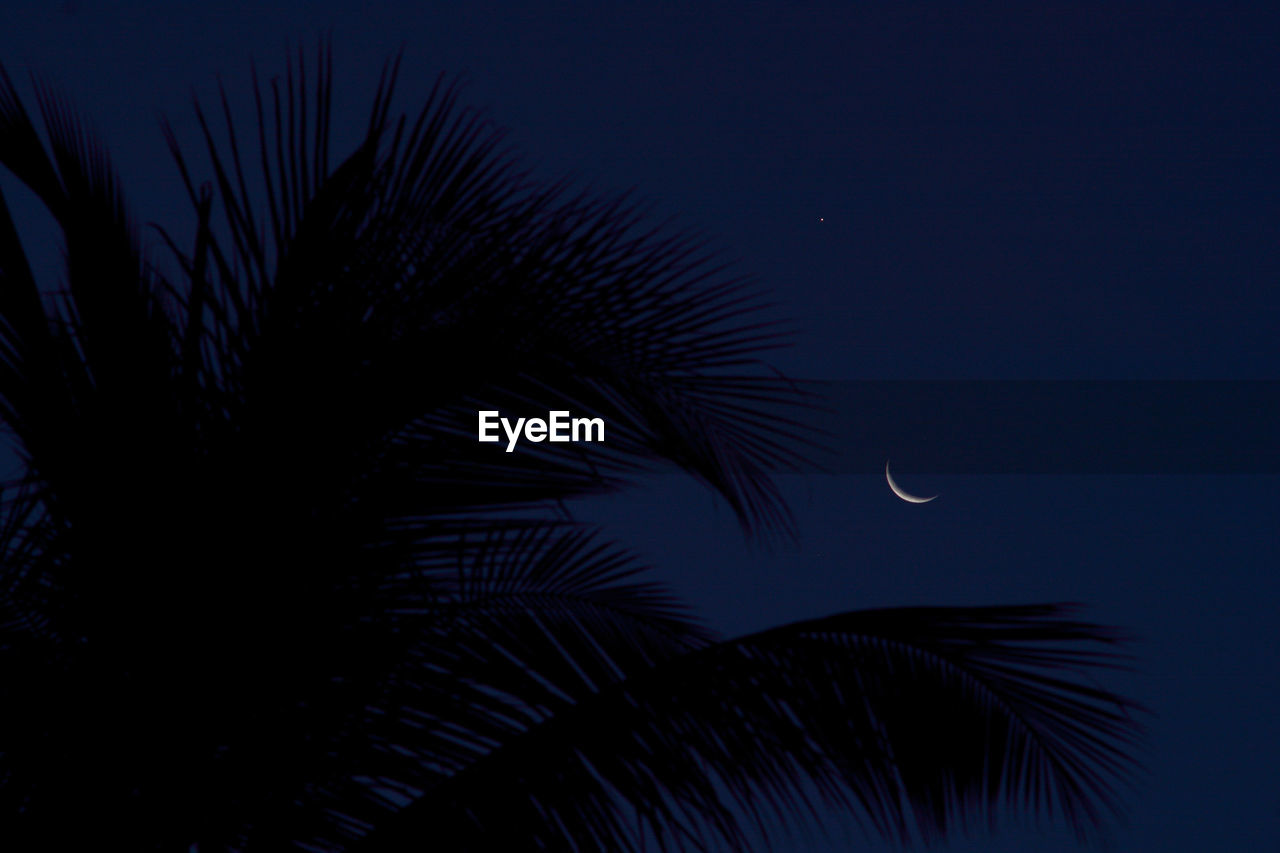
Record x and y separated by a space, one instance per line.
931 191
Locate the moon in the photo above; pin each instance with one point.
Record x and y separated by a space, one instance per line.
897 490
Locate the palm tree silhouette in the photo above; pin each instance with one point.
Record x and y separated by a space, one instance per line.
263 588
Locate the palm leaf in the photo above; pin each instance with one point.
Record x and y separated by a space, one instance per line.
429 246
913 719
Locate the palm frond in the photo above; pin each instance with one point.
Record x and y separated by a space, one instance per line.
912 718
100 364
503 626
428 276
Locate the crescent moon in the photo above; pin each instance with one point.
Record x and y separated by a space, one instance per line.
897 490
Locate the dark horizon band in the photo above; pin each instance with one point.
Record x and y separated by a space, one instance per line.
1049 426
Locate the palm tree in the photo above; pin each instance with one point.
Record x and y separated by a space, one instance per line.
263 588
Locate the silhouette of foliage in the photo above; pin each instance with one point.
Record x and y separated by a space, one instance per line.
262 588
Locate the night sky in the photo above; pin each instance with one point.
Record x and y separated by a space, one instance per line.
929 191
